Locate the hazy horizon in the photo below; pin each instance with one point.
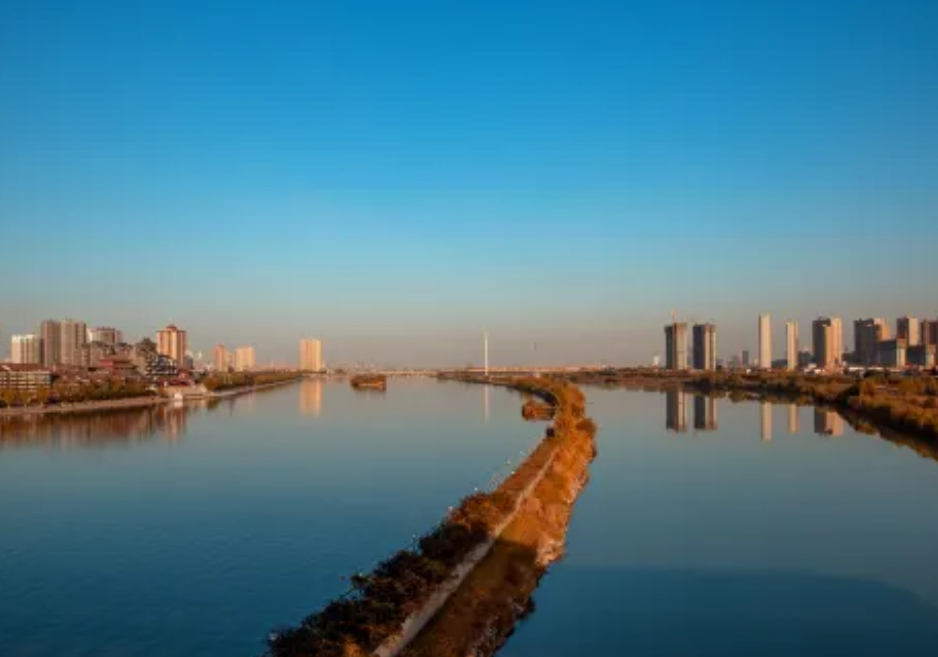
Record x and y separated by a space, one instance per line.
394 180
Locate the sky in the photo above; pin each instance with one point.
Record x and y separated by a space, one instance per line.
397 177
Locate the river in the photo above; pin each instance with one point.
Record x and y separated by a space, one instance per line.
712 528
708 528
193 531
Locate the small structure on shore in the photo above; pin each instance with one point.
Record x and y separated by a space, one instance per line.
369 382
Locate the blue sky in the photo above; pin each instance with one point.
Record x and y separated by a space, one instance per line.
395 177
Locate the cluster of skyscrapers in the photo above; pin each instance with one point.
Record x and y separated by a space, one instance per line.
914 345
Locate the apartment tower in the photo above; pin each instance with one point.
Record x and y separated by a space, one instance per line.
310 355
220 358
765 341
675 340
791 345
171 342
827 336
24 350
705 347
907 328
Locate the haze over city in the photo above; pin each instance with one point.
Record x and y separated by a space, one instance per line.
395 179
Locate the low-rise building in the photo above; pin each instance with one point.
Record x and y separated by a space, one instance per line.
24 377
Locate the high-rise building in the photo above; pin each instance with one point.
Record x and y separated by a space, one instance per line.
310 355
106 335
50 343
171 342
866 334
675 339
745 358
245 359
765 341
705 347
892 353
74 336
827 335
791 345
220 358
929 332
907 328
24 350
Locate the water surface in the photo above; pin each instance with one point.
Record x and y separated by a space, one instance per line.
192 531
711 528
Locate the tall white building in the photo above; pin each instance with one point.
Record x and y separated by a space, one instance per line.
311 355
24 349
791 344
765 341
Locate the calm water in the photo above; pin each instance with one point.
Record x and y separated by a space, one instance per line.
708 528
193 531
717 529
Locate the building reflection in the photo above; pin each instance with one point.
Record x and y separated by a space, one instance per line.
794 419
311 397
485 402
96 429
828 423
705 413
675 411
765 416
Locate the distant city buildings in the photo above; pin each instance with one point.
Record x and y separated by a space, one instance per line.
705 347
921 355
791 345
106 335
765 341
171 342
930 332
867 333
24 378
827 335
311 355
891 353
220 358
907 328
675 340
25 350
245 359
61 342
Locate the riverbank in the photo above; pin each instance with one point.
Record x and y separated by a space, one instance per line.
85 407
134 402
903 410
486 539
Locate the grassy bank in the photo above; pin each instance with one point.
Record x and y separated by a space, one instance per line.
379 602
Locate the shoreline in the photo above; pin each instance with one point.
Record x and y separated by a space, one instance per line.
133 402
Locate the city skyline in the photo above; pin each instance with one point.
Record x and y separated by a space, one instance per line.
441 203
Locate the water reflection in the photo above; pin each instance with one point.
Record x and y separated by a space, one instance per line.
98 428
311 397
675 411
794 419
705 413
765 421
828 423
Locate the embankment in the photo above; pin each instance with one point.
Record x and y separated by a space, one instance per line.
469 579
86 407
